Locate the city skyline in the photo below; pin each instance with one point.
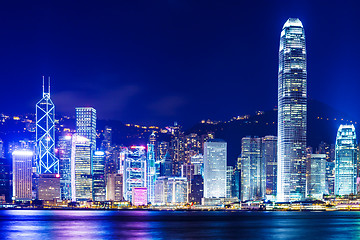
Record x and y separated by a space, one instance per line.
143 74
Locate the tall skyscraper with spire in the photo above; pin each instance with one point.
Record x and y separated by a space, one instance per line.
46 161
292 112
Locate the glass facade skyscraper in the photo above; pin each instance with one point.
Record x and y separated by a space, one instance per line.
215 161
86 124
292 112
346 160
46 161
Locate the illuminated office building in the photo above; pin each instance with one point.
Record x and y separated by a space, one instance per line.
177 190
46 161
139 196
134 170
196 192
229 180
81 169
22 174
161 191
292 112
5 179
64 153
269 157
316 186
253 175
215 162
86 124
49 187
114 187
98 176
151 172
346 154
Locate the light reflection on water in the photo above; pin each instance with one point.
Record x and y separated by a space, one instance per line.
72 224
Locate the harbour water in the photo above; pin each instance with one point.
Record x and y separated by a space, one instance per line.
80 224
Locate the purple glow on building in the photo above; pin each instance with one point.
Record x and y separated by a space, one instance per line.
139 196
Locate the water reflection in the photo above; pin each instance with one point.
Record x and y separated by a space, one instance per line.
66 224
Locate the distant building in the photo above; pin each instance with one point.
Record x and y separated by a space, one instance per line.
215 162
161 191
292 113
98 176
269 157
346 154
86 124
49 187
229 180
81 167
196 189
64 153
22 175
151 172
5 179
329 151
139 196
114 187
177 190
253 176
134 170
316 186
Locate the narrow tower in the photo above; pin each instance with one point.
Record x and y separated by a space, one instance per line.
46 161
292 105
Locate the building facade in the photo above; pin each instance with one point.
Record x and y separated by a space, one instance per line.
215 162
46 161
346 154
22 174
86 124
292 112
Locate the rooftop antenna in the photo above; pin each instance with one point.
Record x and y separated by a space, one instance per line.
49 86
43 83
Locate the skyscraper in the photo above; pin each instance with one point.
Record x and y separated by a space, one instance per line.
292 112
252 169
81 169
98 174
316 176
86 124
64 152
346 160
22 174
151 172
46 161
269 156
134 170
215 161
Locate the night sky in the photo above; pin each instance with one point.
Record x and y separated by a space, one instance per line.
155 62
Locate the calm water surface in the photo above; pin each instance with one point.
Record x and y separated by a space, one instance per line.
65 224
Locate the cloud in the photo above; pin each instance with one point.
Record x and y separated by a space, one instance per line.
168 106
108 103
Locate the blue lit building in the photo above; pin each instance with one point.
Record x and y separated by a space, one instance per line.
64 153
151 172
86 124
98 176
215 162
46 161
134 170
292 112
346 153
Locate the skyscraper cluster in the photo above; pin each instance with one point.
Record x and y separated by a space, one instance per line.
182 167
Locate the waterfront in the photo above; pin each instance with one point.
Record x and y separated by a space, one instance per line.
69 224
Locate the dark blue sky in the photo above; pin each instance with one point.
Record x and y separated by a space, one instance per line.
155 62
